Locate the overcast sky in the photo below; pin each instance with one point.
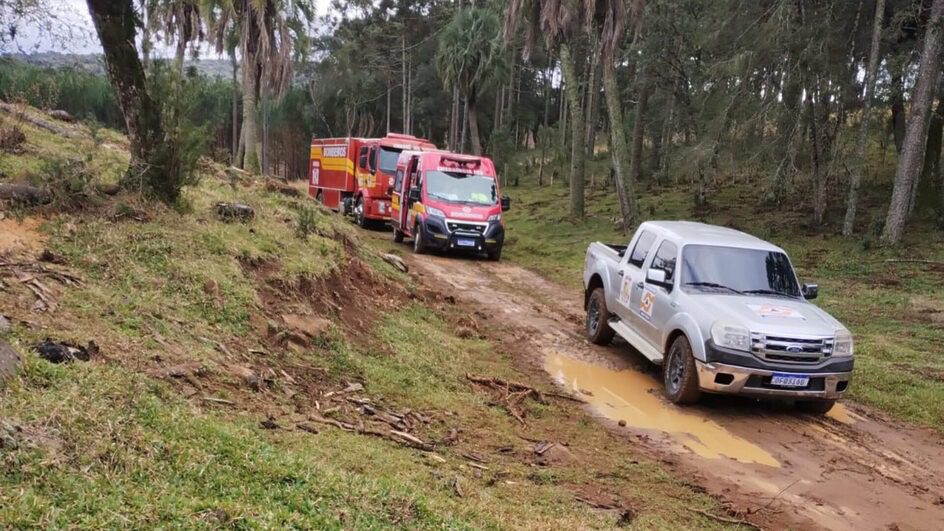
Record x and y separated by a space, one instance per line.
73 16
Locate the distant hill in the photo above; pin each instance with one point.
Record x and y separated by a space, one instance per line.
95 63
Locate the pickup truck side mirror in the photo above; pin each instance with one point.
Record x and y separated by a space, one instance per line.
505 203
810 291
414 194
655 276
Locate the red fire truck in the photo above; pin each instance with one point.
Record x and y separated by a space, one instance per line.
355 175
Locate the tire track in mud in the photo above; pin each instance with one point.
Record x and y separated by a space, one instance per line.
853 469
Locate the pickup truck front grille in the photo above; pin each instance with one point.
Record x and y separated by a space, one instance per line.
779 349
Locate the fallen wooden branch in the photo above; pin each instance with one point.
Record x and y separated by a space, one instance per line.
218 401
509 386
715 517
23 193
331 422
38 122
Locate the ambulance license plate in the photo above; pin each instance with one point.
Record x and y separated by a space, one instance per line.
790 380
465 243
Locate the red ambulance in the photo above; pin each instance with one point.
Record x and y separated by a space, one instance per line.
449 202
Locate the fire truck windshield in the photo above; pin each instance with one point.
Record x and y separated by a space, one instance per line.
388 159
461 188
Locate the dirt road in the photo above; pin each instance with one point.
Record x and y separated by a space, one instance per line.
851 470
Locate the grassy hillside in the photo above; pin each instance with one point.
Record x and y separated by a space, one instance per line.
240 370
894 309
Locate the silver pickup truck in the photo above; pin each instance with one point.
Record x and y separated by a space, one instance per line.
721 310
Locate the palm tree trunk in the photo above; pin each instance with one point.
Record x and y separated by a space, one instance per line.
618 149
250 133
855 180
474 126
572 89
912 154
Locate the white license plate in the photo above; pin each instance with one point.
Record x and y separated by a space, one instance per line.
790 380
465 243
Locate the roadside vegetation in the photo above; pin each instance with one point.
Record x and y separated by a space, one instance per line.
891 298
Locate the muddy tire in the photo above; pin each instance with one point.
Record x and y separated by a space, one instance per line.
494 255
680 374
419 245
815 407
598 318
397 236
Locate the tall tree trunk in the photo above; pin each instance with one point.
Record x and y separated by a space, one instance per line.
250 127
898 104
593 90
474 124
388 106
639 129
817 109
406 103
235 146
572 88
912 155
181 52
858 162
115 22
454 120
619 152
543 134
465 121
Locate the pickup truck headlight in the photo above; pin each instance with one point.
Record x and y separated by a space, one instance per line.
731 336
843 344
433 211
494 217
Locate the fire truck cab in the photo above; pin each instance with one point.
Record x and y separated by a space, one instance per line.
449 202
355 175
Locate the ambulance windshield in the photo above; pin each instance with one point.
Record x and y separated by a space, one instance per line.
463 188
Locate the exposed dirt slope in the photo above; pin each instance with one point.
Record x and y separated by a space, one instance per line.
851 470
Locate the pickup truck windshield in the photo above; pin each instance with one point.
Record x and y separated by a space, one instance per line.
388 159
734 270
461 188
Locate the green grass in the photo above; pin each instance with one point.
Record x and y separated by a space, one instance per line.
895 311
108 445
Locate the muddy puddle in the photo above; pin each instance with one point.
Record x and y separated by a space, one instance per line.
633 397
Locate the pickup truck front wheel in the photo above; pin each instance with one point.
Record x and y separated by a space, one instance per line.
598 318
681 376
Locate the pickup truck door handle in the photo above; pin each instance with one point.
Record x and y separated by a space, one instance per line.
619 273
640 285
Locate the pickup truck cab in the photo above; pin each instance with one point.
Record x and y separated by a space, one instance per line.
722 311
448 202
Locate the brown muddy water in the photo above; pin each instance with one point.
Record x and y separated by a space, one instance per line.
633 397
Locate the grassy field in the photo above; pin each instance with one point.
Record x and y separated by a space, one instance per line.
895 310
163 428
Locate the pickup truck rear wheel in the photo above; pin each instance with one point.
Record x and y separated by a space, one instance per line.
598 318
680 374
816 407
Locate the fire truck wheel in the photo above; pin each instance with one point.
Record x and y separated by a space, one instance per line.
397 235
419 245
359 216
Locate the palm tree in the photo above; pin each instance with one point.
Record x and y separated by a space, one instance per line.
470 57
179 21
560 21
270 35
